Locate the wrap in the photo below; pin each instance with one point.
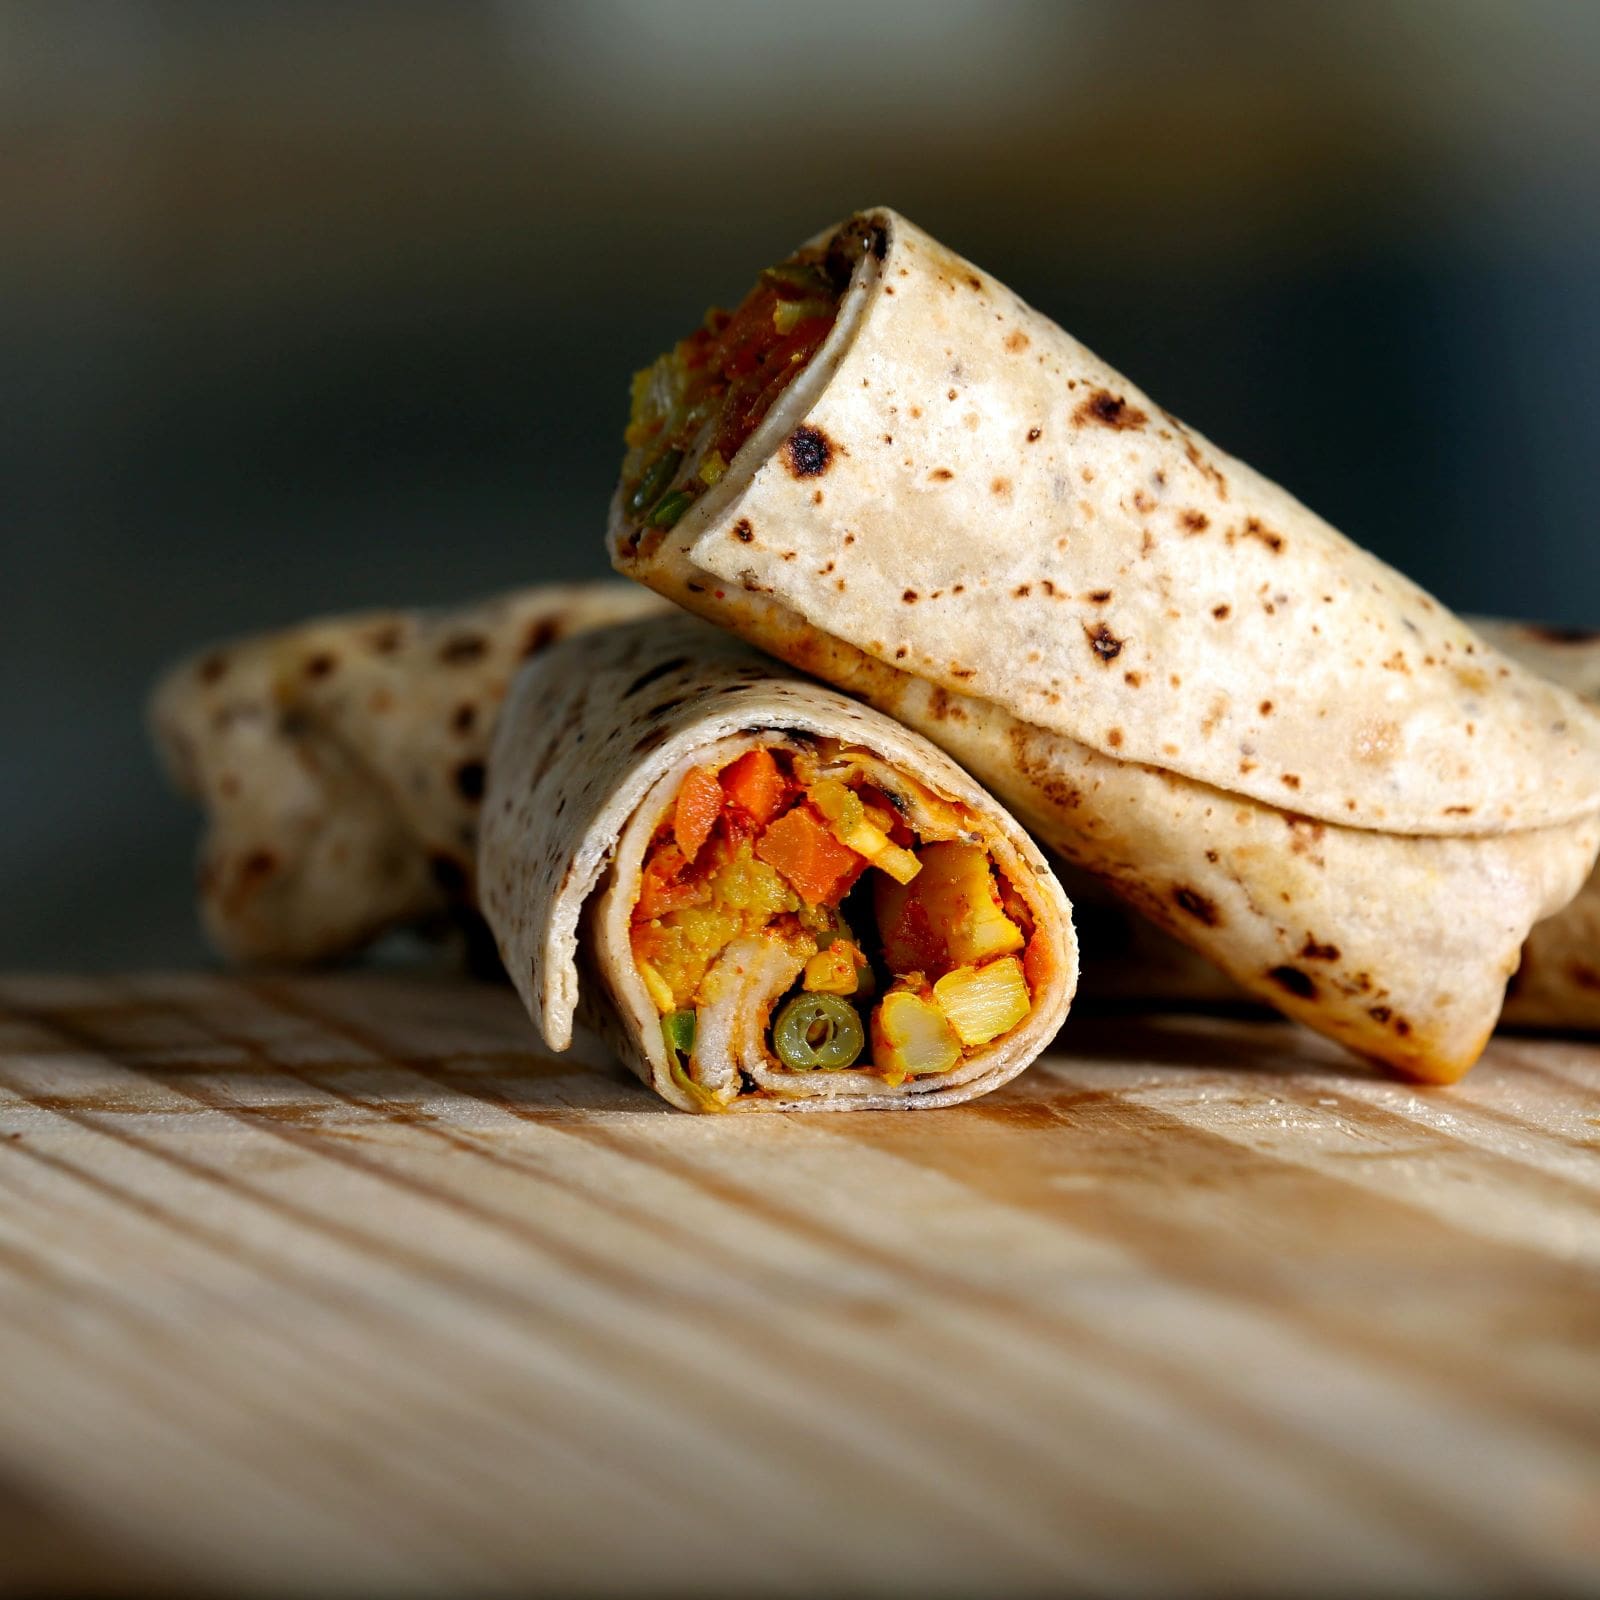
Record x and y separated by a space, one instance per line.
791 902
1274 745
341 763
1556 985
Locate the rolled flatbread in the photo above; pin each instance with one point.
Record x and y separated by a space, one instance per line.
888 470
341 763
1555 986
791 902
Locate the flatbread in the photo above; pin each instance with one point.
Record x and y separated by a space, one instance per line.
1555 986
341 763
592 745
1277 747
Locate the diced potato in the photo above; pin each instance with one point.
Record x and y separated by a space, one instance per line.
881 819
830 971
656 986
847 818
910 942
911 1038
981 1003
679 946
746 884
839 804
900 864
957 891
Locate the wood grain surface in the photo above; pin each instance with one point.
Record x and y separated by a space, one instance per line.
341 1283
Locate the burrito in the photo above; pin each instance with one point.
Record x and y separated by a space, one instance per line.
341 763
768 897
889 471
1555 986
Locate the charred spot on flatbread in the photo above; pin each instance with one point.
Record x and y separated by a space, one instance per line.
1105 644
651 675
1558 635
469 781
540 636
1293 981
808 452
464 647
1198 906
1108 411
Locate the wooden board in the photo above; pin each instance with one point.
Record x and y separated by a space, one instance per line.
340 1281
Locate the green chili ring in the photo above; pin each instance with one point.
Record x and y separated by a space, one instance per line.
656 481
818 1030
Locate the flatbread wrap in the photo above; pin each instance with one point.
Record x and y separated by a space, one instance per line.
888 470
340 763
1556 984
787 901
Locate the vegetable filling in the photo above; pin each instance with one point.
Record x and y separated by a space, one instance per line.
698 405
888 939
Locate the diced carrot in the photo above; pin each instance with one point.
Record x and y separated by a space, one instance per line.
696 812
816 865
755 784
667 886
1036 963
1014 906
910 941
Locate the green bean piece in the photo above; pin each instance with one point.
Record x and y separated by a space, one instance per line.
677 1028
817 1030
670 509
797 281
658 475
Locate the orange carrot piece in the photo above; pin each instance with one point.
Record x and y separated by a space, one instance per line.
755 784
1036 963
910 941
695 814
816 865
667 886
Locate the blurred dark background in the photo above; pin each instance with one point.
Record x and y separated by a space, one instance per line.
305 307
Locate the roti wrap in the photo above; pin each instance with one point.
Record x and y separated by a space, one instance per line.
1267 740
595 742
341 763
1556 985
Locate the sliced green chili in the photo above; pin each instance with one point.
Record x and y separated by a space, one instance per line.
670 509
817 1030
703 1099
677 1028
653 484
796 280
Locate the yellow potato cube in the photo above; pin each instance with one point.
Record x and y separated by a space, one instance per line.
910 1038
956 888
981 1003
831 971
657 987
848 822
